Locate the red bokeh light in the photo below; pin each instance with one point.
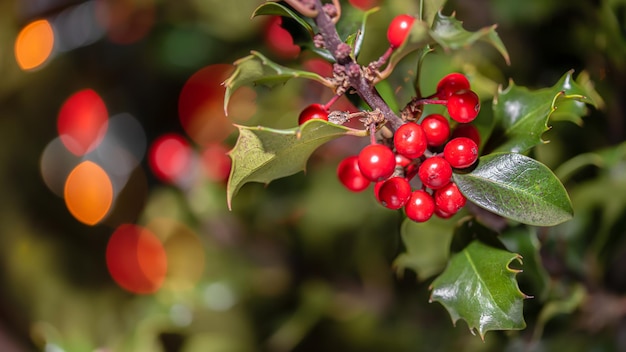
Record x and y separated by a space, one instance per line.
170 157
216 162
364 4
136 259
126 21
82 122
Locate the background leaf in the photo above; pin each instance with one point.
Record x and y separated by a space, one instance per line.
523 114
263 154
516 187
257 69
426 247
276 8
479 287
448 32
429 9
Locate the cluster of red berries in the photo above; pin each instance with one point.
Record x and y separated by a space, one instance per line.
428 150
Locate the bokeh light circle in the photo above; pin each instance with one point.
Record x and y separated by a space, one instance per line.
34 44
88 193
201 105
82 121
170 158
126 21
136 259
216 162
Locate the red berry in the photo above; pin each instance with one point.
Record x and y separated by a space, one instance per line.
467 130
442 214
449 200
377 162
460 152
363 4
451 84
463 106
394 192
399 29
436 129
402 160
350 176
435 172
313 111
420 206
410 140
279 40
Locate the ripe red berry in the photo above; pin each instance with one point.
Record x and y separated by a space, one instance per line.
448 199
420 206
350 175
461 152
467 130
394 192
410 140
435 172
377 162
399 29
402 160
442 214
451 84
313 111
436 129
463 106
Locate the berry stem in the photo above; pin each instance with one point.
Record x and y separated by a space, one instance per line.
364 88
331 101
372 133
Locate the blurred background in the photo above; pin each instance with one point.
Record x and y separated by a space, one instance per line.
114 229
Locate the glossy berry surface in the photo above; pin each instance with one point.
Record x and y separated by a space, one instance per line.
442 214
313 111
410 140
463 106
435 172
399 29
377 162
394 192
436 129
449 200
467 130
451 84
420 206
461 152
350 175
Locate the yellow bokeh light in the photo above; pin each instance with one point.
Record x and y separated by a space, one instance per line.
88 193
34 44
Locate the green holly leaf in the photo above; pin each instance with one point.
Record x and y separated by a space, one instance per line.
426 247
523 114
429 9
257 69
278 9
517 187
448 32
479 287
523 240
264 154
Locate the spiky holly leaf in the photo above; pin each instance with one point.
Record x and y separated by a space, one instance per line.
523 114
257 69
448 32
429 9
427 247
516 187
278 9
264 154
479 287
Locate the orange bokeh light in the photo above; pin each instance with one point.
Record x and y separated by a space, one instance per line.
169 157
136 259
34 44
88 193
82 121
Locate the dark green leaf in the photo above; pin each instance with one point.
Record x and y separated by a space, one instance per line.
276 8
257 69
479 287
468 230
524 114
448 32
427 247
517 187
523 240
263 154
